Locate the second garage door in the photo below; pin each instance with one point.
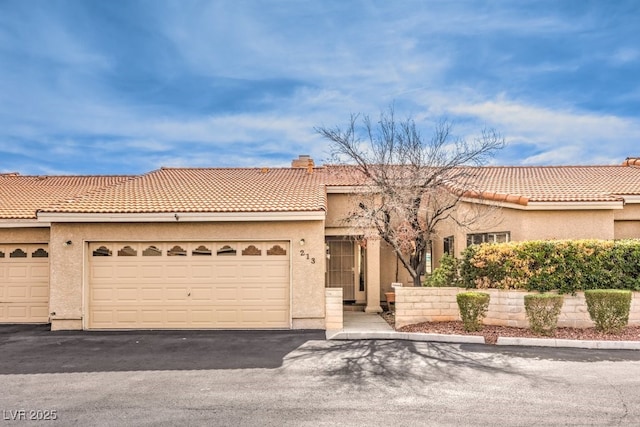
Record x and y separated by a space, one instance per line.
197 285
24 283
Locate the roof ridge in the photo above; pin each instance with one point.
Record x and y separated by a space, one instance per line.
543 166
18 175
234 168
503 166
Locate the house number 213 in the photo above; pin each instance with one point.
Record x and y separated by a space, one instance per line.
303 253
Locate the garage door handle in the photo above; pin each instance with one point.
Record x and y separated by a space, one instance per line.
189 294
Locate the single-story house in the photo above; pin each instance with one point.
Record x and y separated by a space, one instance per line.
253 247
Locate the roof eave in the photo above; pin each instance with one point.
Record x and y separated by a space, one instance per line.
348 189
51 217
23 223
631 198
552 206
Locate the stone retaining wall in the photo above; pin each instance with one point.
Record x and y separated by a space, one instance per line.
506 308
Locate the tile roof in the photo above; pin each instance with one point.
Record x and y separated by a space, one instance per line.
21 196
210 190
631 161
556 183
524 184
206 190
340 176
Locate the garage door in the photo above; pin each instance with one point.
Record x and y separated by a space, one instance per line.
24 283
196 285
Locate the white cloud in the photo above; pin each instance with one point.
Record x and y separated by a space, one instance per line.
563 136
625 55
342 57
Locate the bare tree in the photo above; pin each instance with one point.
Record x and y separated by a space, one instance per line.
409 184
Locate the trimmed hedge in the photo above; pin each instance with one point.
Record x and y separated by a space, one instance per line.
543 311
609 308
446 274
567 266
473 307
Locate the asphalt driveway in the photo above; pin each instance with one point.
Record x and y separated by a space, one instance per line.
30 349
294 378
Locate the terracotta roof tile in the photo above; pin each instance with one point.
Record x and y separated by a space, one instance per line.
206 190
559 183
286 190
524 184
22 196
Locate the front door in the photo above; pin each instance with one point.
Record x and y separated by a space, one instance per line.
341 267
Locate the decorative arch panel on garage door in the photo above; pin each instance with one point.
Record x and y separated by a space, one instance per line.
194 285
24 283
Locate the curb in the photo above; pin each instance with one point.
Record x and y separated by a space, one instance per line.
477 339
407 336
552 342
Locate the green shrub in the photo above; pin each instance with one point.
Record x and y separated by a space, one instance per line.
445 275
609 308
543 311
473 307
567 266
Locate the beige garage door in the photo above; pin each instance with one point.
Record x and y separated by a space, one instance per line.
198 285
24 283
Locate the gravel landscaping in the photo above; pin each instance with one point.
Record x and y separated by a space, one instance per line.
491 333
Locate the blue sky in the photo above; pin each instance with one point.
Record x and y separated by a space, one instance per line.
122 87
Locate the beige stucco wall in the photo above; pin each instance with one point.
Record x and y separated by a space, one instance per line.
631 211
390 271
506 308
24 235
338 208
627 222
627 229
530 225
68 263
578 224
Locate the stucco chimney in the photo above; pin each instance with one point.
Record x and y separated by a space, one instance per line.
631 161
303 161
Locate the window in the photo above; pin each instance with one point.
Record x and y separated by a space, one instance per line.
18 253
152 251
428 258
201 250
251 250
226 250
276 250
479 238
176 251
449 246
102 251
40 253
127 251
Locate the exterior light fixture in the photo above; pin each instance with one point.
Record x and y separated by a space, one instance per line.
302 242
68 243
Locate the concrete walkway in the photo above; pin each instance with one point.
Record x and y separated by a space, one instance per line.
358 325
358 321
370 326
